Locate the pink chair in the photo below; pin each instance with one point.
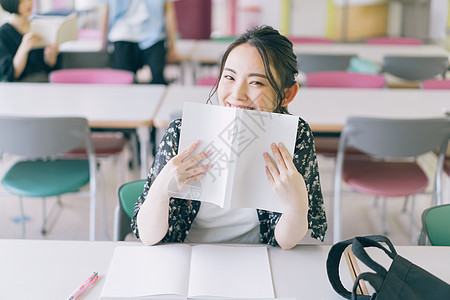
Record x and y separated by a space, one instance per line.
436 84
94 76
394 41
344 79
310 40
206 81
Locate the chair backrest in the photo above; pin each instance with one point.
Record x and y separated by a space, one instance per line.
436 84
38 137
97 76
343 79
436 224
395 137
308 63
310 40
394 41
415 67
128 194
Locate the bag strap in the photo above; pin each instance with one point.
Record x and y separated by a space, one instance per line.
375 281
359 243
333 261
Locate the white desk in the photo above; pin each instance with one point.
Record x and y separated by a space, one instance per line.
327 110
108 106
172 103
373 53
210 51
39 269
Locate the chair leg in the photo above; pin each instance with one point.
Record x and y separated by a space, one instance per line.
101 197
383 217
405 204
411 219
44 217
22 216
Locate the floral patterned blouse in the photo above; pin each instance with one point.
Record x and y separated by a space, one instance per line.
183 212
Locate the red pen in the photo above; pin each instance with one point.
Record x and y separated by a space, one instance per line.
84 286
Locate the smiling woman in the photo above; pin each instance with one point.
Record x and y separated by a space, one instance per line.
258 73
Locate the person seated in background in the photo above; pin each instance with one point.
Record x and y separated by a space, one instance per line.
257 72
19 61
143 34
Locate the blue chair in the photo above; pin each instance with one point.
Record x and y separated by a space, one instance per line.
41 173
128 194
436 225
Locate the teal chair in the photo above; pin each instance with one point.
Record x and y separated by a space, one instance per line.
436 226
128 195
40 172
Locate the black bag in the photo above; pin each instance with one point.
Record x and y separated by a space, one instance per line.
404 280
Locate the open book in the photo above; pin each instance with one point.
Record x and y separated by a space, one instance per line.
55 29
237 139
181 271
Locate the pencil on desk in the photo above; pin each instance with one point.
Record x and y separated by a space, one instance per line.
355 271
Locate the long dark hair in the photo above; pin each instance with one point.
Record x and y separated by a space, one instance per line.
11 6
274 49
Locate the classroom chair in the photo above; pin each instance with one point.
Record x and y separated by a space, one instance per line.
436 226
392 171
344 79
128 194
310 40
436 84
308 63
415 68
394 41
41 173
98 76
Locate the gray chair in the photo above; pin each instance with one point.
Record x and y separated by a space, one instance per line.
308 63
128 195
41 172
415 68
387 141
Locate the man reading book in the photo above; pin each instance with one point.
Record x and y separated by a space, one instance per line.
257 73
18 60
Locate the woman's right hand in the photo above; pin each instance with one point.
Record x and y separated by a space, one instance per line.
29 40
180 172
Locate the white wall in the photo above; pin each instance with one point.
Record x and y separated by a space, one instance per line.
308 18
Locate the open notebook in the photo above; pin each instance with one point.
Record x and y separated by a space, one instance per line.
237 139
181 271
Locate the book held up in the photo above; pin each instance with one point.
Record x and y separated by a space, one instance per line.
55 30
236 139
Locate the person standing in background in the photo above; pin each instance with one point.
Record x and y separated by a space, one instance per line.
143 33
19 61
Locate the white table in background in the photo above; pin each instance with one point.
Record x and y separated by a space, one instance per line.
172 103
373 53
327 109
105 106
43 269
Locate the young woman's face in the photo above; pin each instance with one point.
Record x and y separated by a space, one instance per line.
25 7
244 83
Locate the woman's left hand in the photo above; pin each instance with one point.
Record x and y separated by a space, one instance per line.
286 182
50 55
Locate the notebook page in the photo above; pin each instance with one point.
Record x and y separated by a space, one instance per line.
259 130
230 272
144 271
208 123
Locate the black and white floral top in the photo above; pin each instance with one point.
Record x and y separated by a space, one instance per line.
183 212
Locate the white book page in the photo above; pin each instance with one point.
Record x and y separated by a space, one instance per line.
146 271
259 130
207 123
230 272
55 29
